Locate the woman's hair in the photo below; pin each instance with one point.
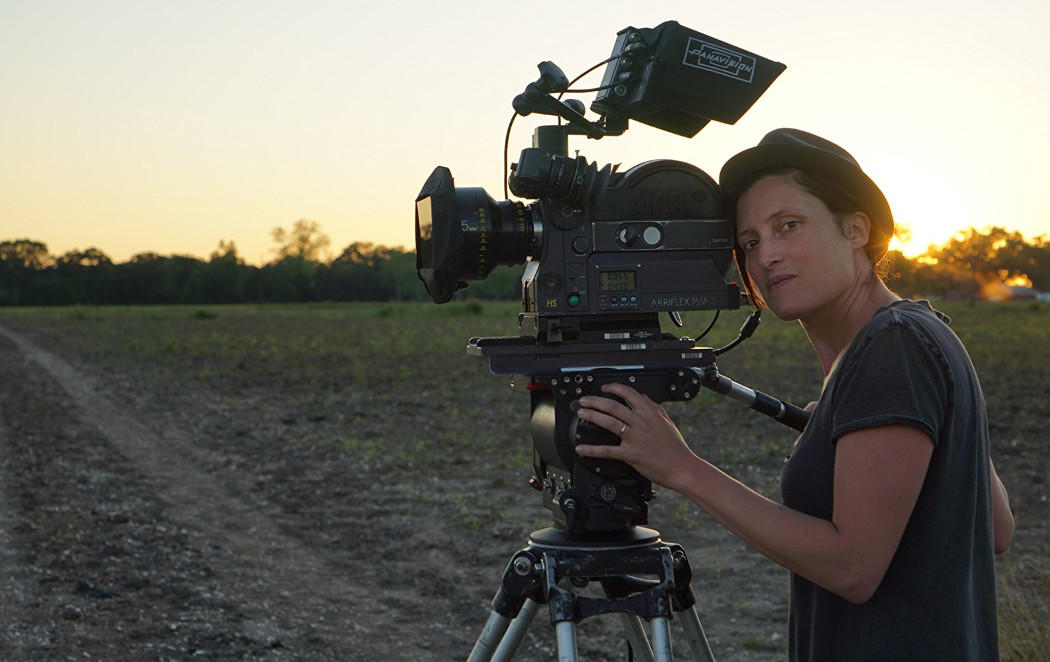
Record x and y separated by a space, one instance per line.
839 201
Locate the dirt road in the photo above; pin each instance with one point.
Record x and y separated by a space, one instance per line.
137 547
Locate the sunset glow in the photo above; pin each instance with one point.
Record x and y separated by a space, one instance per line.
167 127
1018 281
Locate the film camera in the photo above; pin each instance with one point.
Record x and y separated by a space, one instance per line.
605 252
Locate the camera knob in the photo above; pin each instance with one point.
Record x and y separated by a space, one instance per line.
653 235
683 384
626 235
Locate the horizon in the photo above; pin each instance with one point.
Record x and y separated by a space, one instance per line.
334 251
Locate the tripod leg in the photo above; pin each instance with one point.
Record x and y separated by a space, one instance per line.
694 633
661 639
632 626
516 632
565 631
490 637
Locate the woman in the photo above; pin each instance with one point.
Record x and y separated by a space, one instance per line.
892 510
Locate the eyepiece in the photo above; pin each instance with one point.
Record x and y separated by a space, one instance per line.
540 174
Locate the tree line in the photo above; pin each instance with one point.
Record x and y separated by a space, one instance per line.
994 263
299 271
966 266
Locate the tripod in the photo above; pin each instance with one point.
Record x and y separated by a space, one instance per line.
533 578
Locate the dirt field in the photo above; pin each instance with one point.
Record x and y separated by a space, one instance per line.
174 488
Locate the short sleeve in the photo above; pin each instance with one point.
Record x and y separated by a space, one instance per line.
897 376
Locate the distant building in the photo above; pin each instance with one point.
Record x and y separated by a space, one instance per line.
1022 292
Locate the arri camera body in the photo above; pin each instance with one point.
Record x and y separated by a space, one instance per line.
605 251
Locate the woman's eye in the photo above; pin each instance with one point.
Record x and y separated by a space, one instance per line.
750 244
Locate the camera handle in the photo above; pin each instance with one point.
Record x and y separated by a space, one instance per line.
537 99
785 412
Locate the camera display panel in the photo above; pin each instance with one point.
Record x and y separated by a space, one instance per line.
616 281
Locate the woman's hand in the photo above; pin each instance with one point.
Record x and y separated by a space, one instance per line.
649 441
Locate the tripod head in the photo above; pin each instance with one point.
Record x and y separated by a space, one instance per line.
589 497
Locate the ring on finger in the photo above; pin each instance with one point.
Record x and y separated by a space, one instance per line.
623 428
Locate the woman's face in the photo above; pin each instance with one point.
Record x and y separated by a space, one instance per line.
797 255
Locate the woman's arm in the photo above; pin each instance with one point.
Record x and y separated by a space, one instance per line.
1002 518
879 473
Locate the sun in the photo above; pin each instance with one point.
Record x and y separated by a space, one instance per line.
925 210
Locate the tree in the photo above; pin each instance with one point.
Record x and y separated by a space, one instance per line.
977 260
289 279
364 252
91 257
1034 259
304 241
20 262
359 274
24 254
300 251
82 277
221 279
151 278
226 252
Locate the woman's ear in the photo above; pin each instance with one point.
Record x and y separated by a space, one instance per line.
857 228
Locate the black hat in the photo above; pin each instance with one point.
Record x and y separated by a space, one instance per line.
791 148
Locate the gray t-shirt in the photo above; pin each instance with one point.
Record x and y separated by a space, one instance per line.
937 599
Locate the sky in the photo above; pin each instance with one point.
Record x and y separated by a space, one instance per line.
138 125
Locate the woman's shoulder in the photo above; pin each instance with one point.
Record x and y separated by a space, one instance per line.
913 318
904 330
908 311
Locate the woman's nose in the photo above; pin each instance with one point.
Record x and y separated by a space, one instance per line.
768 254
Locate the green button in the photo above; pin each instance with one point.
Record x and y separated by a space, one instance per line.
574 300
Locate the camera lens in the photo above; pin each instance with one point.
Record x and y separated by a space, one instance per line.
462 234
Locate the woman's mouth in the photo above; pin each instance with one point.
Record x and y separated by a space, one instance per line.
777 281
